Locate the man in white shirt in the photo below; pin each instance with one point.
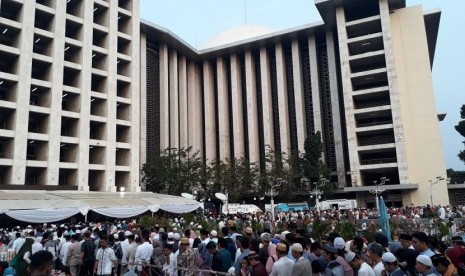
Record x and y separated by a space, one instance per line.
282 267
19 241
36 246
144 253
131 253
357 264
64 253
375 252
105 259
124 247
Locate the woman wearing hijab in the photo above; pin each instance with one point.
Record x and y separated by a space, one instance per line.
272 257
204 259
158 260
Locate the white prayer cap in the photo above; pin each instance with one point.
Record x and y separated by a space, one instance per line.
127 233
115 236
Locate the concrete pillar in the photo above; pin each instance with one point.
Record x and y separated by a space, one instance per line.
143 102
252 111
223 108
111 100
348 99
267 102
56 97
195 108
299 96
200 107
183 106
84 120
341 175
236 96
316 100
164 99
394 92
209 111
136 109
23 95
174 99
284 128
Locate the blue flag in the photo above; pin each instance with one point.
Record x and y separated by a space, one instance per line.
384 219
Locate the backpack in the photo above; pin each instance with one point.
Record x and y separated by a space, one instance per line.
118 251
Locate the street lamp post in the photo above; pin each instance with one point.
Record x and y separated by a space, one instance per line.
272 192
431 184
377 191
316 192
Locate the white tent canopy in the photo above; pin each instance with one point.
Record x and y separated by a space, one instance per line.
49 206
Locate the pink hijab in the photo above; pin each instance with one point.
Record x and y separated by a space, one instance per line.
272 256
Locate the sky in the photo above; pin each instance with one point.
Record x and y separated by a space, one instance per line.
195 21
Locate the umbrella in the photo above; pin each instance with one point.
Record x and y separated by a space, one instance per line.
384 219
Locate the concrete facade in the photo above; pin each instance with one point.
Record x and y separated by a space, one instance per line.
69 104
349 78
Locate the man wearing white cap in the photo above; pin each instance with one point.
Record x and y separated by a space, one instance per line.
64 252
302 267
124 247
340 245
424 265
390 265
361 267
214 236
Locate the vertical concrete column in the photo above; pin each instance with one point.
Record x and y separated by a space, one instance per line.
56 96
299 96
236 97
316 100
136 110
194 97
183 107
174 99
209 109
348 99
84 120
252 110
267 102
284 128
341 175
23 95
198 98
164 99
110 150
223 108
394 92
143 105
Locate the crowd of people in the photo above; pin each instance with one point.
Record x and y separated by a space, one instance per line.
241 244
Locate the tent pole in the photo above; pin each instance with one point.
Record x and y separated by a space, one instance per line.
85 218
152 214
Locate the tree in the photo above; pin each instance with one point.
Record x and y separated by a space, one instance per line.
460 128
282 166
313 165
174 171
237 176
